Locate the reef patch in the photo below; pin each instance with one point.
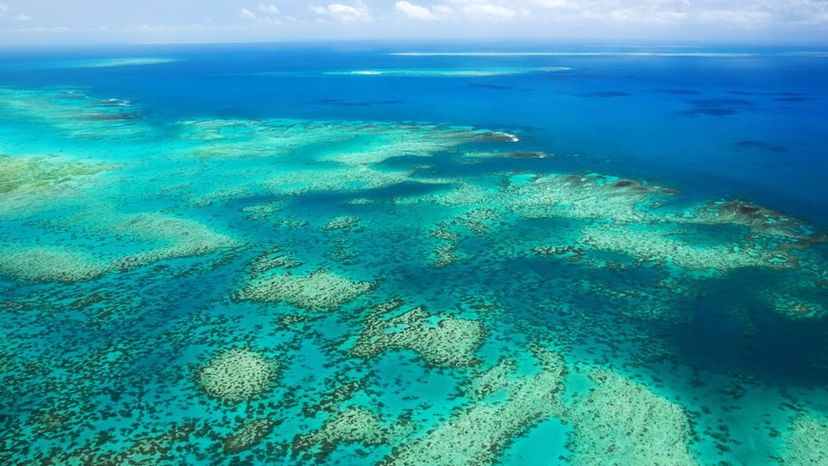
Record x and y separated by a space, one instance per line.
440 340
318 290
621 422
237 375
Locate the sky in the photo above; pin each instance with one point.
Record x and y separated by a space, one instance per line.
59 22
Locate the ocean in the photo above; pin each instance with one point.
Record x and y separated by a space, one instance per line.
414 253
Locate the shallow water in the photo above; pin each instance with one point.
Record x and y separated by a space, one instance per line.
261 254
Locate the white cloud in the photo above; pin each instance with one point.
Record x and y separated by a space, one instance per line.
269 9
643 14
485 10
736 17
493 11
550 3
7 13
601 13
763 20
356 13
662 12
268 13
40 29
165 27
415 11
247 14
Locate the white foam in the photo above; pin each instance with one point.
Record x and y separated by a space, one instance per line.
448 73
577 54
809 53
117 62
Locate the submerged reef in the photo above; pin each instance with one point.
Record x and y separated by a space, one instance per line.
344 142
237 375
758 220
806 442
342 223
179 238
591 196
153 237
478 434
32 174
152 449
28 182
273 258
357 179
622 422
794 306
72 112
353 425
50 264
440 340
628 216
662 302
649 244
248 435
317 290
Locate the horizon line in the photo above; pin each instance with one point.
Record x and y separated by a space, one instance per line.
480 41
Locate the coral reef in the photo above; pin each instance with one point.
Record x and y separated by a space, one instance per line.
566 252
590 196
441 340
50 264
345 178
342 142
478 434
793 306
30 183
361 201
271 259
806 442
148 450
661 302
507 154
354 425
621 422
237 375
21 174
317 290
376 143
248 435
72 112
757 219
157 237
262 211
221 195
178 237
445 255
478 220
342 223
655 244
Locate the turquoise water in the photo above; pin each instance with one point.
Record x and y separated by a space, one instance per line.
359 255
